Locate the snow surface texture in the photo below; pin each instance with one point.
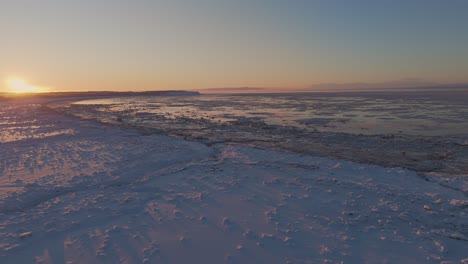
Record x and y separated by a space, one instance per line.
75 191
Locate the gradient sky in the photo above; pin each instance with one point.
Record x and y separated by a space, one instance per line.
156 45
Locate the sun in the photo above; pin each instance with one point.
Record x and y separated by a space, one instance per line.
19 86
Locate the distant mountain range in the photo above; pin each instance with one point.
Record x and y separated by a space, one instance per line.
410 85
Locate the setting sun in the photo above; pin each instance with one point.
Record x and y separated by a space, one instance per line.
20 86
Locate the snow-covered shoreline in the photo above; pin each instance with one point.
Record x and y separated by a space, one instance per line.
76 191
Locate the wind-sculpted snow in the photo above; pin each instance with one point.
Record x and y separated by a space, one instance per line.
107 194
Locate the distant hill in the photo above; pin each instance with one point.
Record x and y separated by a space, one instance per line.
6 96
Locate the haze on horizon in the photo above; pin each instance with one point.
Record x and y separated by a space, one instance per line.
123 45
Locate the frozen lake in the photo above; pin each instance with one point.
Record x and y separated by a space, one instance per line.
425 114
423 131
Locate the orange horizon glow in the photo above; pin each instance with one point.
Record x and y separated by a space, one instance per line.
20 86
68 46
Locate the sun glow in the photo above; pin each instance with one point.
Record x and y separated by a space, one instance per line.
19 86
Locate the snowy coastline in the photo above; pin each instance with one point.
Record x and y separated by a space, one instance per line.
78 191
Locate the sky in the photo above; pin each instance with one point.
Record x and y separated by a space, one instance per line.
132 45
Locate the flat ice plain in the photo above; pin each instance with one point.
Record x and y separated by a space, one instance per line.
75 190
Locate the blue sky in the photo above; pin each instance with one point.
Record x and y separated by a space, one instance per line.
146 45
